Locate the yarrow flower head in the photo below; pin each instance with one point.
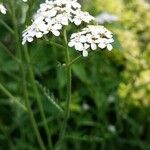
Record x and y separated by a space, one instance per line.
91 38
3 9
52 16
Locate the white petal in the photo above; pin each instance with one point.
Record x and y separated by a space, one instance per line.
73 35
2 9
71 44
86 46
109 47
52 13
76 5
29 39
108 35
77 21
56 32
42 27
93 46
82 39
89 38
31 33
79 46
23 41
85 53
39 34
57 26
110 40
64 21
101 45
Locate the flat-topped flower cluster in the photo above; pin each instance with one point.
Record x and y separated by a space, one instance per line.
91 37
52 16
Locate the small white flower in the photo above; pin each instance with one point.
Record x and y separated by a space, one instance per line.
82 17
52 16
3 9
24 0
91 37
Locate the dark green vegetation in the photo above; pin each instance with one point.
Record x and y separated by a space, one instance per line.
110 106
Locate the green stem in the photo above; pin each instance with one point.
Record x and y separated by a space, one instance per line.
31 115
16 34
25 92
68 96
79 58
31 74
6 26
54 43
75 60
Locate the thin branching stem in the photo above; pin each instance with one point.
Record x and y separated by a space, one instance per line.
54 43
75 60
78 58
68 95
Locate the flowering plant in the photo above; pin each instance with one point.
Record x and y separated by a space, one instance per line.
53 18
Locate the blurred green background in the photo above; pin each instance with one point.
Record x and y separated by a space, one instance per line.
110 107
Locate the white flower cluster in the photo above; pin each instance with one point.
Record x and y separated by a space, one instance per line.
3 9
106 17
52 16
91 37
24 0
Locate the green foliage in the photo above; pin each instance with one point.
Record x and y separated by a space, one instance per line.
110 105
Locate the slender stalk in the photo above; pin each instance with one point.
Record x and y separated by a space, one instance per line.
75 60
31 74
57 44
68 96
78 58
7 26
25 92
54 43
31 115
